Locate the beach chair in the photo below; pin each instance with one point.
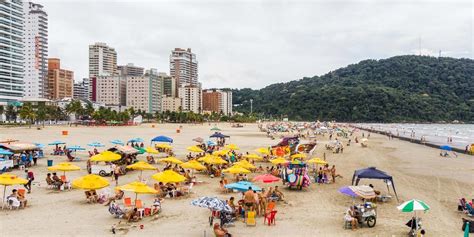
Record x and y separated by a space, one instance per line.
250 220
270 206
270 218
138 204
127 202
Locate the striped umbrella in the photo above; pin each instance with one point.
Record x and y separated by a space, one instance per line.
212 203
413 205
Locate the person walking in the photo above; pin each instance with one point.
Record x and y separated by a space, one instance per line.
30 177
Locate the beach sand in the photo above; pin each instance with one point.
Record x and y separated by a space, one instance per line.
418 171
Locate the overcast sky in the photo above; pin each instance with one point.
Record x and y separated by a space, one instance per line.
256 43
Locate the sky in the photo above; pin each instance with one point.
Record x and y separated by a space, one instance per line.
241 44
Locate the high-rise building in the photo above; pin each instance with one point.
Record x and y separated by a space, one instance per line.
81 90
60 81
184 67
191 98
169 85
130 70
11 47
110 90
102 60
35 39
217 101
144 93
171 104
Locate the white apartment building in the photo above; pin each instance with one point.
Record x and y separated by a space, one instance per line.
11 50
110 90
171 104
102 60
191 98
35 39
82 90
130 70
184 67
144 93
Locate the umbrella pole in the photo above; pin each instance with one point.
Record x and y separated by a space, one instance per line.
135 203
4 191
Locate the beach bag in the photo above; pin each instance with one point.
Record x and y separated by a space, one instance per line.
471 225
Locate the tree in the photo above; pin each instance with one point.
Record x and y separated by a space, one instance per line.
75 107
11 113
27 113
2 110
41 113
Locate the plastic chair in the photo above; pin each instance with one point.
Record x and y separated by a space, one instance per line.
127 202
63 178
21 192
138 204
270 206
250 220
147 211
270 217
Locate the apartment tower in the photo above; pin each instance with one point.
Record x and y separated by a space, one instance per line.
102 60
61 81
184 67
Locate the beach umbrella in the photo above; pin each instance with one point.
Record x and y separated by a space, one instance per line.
141 165
193 164
198 139
137 188
7 179
221 152
413 205
243 186
194 149
263 150
279 160
5 152
363 191
211 143
106 156
245 164
205 157
253 157
317 161
168 176
446 148
171 159
215 129
232 147
90 182
162 139
64 166
213 203
117 142
266 178
137 139
56 143
235 169
76 148
298 156
163 146
214 160
96 144
151 150
39 145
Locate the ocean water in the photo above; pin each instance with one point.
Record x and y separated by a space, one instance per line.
461 134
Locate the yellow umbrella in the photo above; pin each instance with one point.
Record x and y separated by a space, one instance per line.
194 149
168 176
232 147
214 160
236 169
137 187
317 161
171 159
163 145
141 165
151 150
64 166
193 164
90 182
298 156
279 160
7 179
263 150
245 164
221 152
253 157
106 156
207 156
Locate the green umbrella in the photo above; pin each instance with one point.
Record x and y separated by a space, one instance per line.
413 205
215 129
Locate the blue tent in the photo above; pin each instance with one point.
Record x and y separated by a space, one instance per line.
445 147
243 186
162 139
372 173
218 135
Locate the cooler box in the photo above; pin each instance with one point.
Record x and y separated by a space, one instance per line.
50 163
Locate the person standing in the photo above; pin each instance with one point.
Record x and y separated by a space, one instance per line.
30 177
35 157
116 174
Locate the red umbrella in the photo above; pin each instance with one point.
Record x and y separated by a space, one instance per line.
266 178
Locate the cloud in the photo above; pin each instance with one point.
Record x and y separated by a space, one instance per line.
256 43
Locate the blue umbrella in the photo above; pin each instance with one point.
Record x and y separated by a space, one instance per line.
96 144
243 186
218 135
446 147
162 139
56 143
211 143
137 139
39 145
117 142
347 191
5 152
76 148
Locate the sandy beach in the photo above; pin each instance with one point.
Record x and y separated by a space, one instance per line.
418 172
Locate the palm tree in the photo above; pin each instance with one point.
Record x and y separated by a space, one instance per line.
27 113
74 107
41 113
11 113
89 110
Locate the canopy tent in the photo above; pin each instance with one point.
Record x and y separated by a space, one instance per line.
373 173
19 147
218 135
127 150
162 139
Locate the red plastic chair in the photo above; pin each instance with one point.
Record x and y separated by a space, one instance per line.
270 217
127 202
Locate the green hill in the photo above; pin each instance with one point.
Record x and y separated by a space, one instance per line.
397 89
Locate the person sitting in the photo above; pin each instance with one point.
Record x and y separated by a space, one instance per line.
260 169
133 215
156 207
277 193
469 209
118 196
13 200
170 189
351 217
220 232
462 204
150 160
69 155
50 181
375 191
21 197
57 181
115 210
413 224
91 196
